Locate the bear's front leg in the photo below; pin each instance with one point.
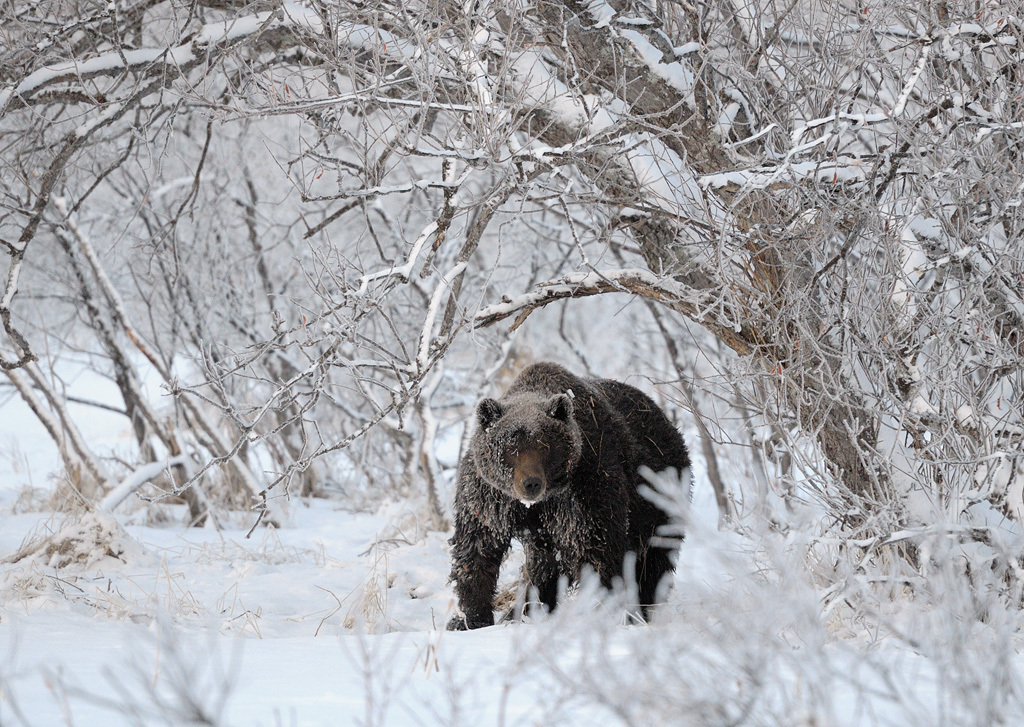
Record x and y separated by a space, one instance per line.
541 571
477 552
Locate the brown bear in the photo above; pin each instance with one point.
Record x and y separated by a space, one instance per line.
554 462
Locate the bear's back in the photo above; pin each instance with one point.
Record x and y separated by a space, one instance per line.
660 443
545 378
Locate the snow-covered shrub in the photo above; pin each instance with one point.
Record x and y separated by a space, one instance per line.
752 635
82 540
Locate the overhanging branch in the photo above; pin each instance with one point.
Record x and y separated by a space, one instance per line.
704 308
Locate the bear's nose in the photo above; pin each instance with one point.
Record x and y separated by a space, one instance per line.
532 486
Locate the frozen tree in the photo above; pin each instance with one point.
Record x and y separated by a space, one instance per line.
307 217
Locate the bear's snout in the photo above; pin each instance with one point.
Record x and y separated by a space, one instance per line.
529 482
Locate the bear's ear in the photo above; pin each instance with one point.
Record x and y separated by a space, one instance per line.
560 407
488 411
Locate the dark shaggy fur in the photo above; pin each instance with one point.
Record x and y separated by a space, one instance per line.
553 463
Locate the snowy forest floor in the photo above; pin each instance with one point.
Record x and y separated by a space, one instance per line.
335 619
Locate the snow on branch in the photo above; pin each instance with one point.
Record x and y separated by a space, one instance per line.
374 96
579 285
840 170
445 284
587 123
707 307
137 479
908 88
209 36
105 63
25 354
855 121
674 73
1000 539
404 272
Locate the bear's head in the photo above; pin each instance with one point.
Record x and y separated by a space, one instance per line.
528 445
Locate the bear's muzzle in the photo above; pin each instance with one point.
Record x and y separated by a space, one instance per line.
529 482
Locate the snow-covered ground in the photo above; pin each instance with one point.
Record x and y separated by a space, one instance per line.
335 619
271 624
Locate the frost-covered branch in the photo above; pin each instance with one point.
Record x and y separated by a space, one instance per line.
157 60
143 474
